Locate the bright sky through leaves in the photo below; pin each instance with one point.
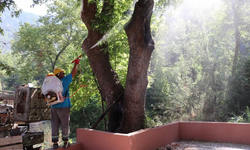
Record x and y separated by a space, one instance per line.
37 9
204 4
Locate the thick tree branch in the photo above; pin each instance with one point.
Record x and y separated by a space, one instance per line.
142 15
141 46
99 61
88 13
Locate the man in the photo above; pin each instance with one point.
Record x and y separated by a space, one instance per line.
60 113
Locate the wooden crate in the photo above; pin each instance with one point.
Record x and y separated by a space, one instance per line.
29 105
11 143
32 138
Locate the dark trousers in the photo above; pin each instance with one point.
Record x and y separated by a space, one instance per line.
60 116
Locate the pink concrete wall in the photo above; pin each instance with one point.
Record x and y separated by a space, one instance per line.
153 138
149 139
215 132
99 140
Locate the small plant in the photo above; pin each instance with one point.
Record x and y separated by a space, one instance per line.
244 118
247 116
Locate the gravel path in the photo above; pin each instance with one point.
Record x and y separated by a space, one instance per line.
200 145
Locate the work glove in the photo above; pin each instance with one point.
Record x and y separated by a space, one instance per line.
76 61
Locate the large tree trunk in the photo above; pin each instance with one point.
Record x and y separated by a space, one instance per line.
141 46
99 61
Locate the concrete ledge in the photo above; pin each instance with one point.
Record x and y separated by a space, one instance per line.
216 132
153 138
147 139
99 140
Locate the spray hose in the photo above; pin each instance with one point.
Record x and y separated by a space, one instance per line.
77 60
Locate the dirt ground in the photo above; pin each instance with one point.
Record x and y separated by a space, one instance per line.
200 145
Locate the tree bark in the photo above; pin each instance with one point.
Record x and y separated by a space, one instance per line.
108 80
141 47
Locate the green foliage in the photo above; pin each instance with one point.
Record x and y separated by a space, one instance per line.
158 103
87 115
10 5
10 26
11 76
247 120
190 71
161 5
196 52
239 84
244 118
55 39
83 77
109 14
246 72
7 68
119 52
54 42
7 72
239 88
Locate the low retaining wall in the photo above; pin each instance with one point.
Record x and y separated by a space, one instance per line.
148 139
153 138
215 132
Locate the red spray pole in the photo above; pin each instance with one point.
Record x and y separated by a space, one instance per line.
77 58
